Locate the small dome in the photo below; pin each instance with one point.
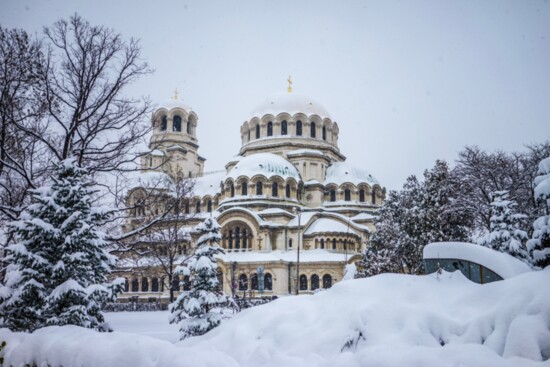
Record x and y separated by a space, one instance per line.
341 172
290 103
266 164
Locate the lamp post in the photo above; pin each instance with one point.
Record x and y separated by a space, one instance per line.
299 212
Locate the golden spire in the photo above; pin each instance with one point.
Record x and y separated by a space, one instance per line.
289 80
176 95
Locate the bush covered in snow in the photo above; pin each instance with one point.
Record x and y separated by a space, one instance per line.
539 245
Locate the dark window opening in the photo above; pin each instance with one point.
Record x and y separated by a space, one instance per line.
284 127
232 190
270 128
274 189
287 191
244 188
324 133
209 206
198 207
135 285
312 130
259 188
257 131
314 282
303 282
347 195
144 284
155 285
176 123
243 282
268 282
163 123
299 128
332 195
254 282
327 281
362 195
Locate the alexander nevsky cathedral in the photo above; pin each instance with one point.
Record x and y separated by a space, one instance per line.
292 212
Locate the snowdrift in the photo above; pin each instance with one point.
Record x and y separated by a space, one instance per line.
387 320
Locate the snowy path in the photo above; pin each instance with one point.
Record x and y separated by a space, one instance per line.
153 324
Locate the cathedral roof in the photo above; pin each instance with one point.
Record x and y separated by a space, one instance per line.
342 172
290 103
266 164
171 104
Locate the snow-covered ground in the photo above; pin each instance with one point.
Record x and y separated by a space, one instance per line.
387 320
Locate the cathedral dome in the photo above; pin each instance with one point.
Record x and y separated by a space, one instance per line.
265 164
290 103
341 172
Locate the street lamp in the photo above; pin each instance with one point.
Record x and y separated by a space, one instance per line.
298 211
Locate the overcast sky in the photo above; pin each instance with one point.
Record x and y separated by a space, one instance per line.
408 81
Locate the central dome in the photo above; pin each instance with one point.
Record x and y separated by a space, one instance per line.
290 103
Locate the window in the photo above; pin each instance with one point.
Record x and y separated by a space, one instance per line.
284 127
209 206
257 131
176 283
327 281
270 128
198 207
186 207
322 243
243 282
373 197
324 133
248 135
155 285
303 282
163 123
347 195
334 243
244 188
126 285
219 276
299 128
232 190
362 196
176 126
332 195
268 282
290 243
312 130
287 191
274 189
135 285
144 284
259 188
189 127
254 282
314 282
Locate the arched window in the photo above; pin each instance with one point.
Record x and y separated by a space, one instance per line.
327 281
155 285
287 190
274 189
219 275
373 197
334 243
362 196
232 190
324 133
322 243
312 130
189 126
230 239
284 127
244 188
270 128
332 195
248 135
126 285
243 282
299 128
237 238
176 283
209 206
303 282
198 207
268 282
259 188
254 282
314 282
245 238
257 131
162 284
290 243
345 244
347 195
135 285
186 283
187 207
163 123
144 284
176 123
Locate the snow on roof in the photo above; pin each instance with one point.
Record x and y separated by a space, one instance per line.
171 103
306 256
323 225
503 264
363 216
266 164
305 151
157 152
209 184
341 172
273 211
290 103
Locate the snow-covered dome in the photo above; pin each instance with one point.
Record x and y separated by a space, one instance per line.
266 164
341 172
172 103
290 103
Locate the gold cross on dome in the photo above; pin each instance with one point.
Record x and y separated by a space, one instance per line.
176 95
289 80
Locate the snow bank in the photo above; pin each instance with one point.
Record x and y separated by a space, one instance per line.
503 264
386 320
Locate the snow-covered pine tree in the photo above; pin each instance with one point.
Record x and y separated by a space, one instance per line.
539 244
57 269
506 234
200 310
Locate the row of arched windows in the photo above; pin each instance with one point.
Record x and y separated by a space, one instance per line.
347 195
176 124
144 285
243 282
284 129
334 244
259 189
314 283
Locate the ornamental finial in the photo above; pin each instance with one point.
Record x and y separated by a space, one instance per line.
176 95
289 80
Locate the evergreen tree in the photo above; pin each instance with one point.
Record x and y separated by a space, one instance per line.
200 310
539 245
57 270
506 234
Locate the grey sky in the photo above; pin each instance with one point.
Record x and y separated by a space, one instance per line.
408 82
